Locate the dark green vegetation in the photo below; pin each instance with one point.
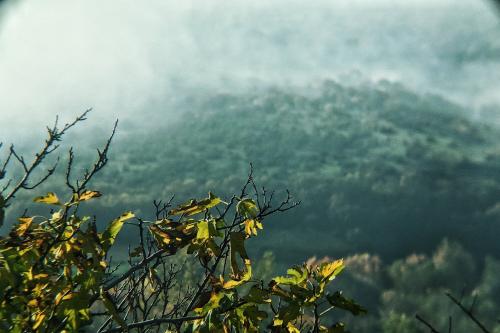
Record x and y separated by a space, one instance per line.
378 168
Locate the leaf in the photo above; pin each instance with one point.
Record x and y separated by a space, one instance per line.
212 303
49 199
344 303
286 314
161 236
194 207
237 243
109 235
241 280
62 296
329 270
39 320
24 224
251 226
203 233
87 195
247 208
296 276
291 328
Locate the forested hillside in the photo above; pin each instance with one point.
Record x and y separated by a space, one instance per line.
377 167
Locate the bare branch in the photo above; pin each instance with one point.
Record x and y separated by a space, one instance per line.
468 313
54 135
423 321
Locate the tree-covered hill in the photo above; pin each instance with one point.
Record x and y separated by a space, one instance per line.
378 168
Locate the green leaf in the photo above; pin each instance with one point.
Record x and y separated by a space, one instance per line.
247 208
109 235
49 199
344 303
237 243
286 314
296 276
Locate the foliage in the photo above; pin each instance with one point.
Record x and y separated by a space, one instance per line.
55 269
57 273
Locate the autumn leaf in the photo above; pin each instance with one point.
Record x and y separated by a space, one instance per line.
24 224
233 283
87 195
251 226
49 199
194 207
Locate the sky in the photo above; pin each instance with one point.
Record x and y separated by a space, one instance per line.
136 61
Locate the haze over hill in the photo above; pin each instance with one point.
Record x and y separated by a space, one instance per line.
143 64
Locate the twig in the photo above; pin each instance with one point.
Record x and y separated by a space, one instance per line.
423 321
468 313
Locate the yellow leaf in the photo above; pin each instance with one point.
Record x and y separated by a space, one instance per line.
25 223
251 226
57 215
237 282
39 320
194 207
291 328
61 296
329 270
39 289
33 303
50 199
277 322
203 231
161 236
87 195
40 276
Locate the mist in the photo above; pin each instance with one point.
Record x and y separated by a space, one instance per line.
144 63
